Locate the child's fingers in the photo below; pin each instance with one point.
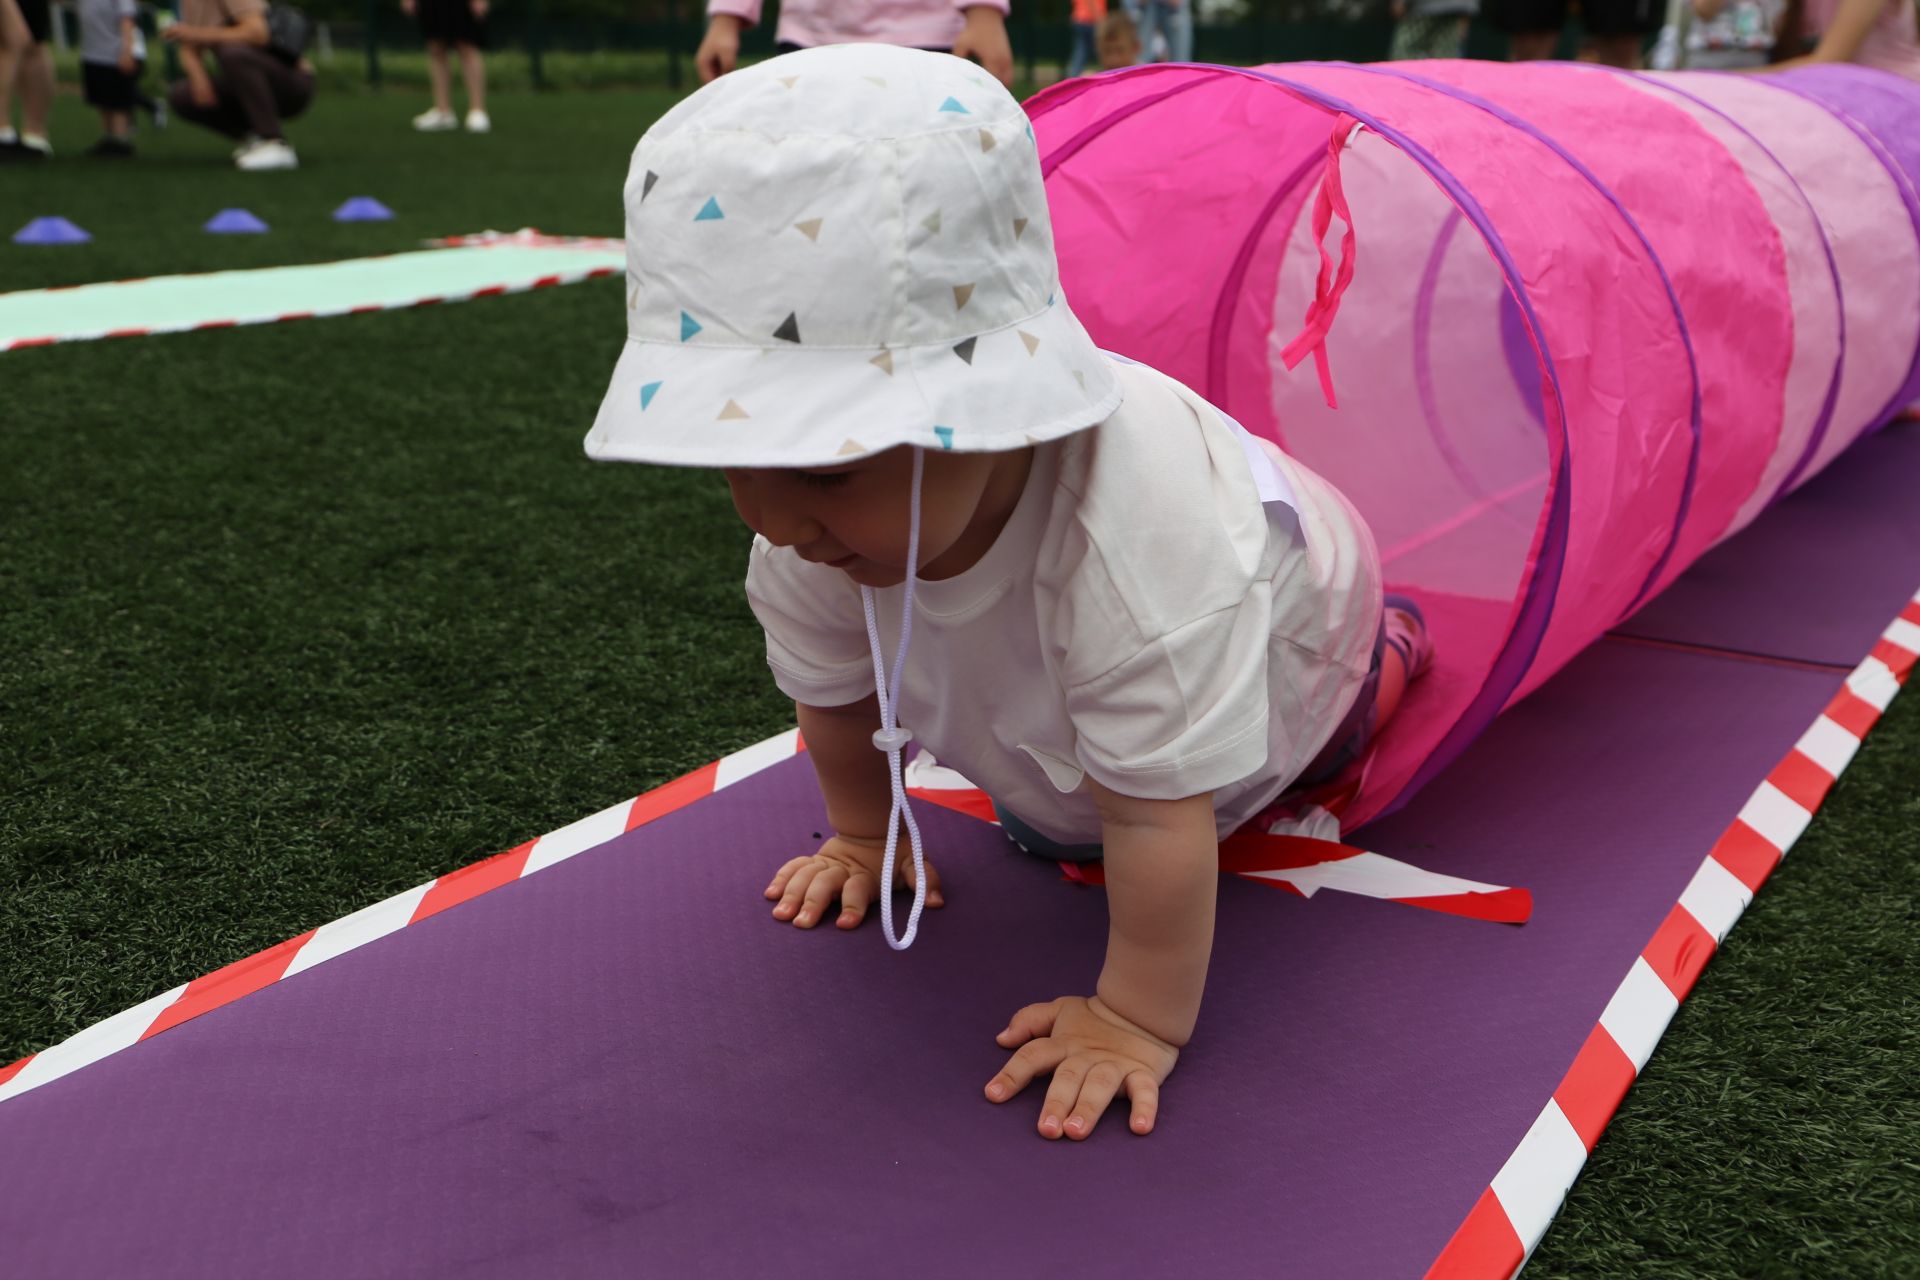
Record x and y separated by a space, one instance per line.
1145 1092
855 897
1035 1058
1030 1022
784 874
1095 1093
796 890
821 892
935 898
1068 1076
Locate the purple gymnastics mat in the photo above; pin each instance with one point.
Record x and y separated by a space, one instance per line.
622 1066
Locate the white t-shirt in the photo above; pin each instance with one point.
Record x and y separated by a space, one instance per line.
1142 618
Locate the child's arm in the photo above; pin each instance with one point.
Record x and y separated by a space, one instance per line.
127 34
985 38
1851 25
859 795
1162 872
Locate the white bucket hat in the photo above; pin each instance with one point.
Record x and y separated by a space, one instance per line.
836 252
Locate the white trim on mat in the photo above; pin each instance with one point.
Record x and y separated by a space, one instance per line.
1506 1224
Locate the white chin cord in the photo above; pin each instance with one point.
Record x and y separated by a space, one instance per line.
893 738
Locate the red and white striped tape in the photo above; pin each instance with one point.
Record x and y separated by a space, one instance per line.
1507 1222
1297 864
244 977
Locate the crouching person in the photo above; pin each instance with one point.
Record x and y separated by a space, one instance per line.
250 87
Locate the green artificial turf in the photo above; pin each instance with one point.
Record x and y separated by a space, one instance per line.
300 616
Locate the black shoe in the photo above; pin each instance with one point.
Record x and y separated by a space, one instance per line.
20 153
111 148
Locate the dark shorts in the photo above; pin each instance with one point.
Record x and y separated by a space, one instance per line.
1598 17
450 21
39 16
110 88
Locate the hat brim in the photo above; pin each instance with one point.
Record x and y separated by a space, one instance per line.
707 404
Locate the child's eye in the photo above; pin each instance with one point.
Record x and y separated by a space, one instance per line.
824 479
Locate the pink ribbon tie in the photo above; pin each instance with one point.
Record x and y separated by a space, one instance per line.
1330 285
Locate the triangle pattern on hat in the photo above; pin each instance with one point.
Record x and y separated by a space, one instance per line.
1080 378
733 410
789 330
1019 227
710 211
986 140
932 222
883 362
646 185
1033 343
965 349
875 81
647 393
961 292
810 228
688 326
946 436
953 104
633 297
788 80
852 446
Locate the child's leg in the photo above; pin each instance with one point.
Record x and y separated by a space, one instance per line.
118 124
438 78
1408 653
473 70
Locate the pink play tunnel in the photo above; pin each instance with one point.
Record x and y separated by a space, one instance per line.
1579 325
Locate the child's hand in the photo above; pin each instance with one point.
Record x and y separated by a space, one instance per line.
847 868
719 50
1093 1053
984 39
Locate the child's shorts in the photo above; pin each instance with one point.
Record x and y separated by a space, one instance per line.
109 88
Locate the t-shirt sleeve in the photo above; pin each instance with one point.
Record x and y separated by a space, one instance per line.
1184 712
816 630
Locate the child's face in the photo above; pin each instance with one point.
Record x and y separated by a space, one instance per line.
1119 50
856 517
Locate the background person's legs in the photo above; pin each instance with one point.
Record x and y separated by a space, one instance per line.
223 117
1532 46
438 77
473 73
1617 51
266 89
1179 28
14 42
1082 50
254 91
35 85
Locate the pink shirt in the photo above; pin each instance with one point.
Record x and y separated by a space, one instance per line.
916 24
1892 43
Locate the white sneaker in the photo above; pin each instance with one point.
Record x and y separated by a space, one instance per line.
269 153
247 144
477 122
435 121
